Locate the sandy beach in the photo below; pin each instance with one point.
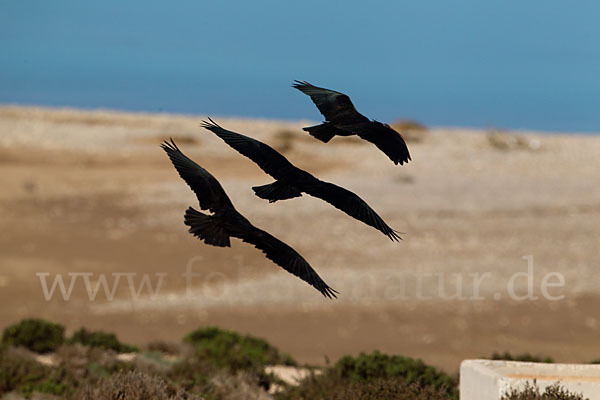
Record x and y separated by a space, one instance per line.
90 192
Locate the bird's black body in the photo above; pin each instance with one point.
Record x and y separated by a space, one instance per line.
292 181
226 221
342 119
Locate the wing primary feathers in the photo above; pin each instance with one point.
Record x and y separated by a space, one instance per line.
298 84
209 124
287 258
208 190
292 181
267 158
351 204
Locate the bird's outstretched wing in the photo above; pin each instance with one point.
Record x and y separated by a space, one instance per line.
267 158
335 106
352 205
209 191
287 258
387 140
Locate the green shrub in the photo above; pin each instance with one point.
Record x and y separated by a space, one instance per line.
392 388
375 376
378 365
193 376
521 357
35 334
228 349
532 392
20 373
51 386
101 339
331 386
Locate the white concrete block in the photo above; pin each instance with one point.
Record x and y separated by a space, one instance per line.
489 380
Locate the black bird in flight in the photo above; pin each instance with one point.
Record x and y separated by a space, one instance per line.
292 181
226 222
342 119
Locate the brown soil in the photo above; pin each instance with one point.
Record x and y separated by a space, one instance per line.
91 192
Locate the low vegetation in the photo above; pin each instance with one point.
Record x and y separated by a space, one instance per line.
211 364
412 131
378 365
100 339
228 349
284 140
506 356
133 385
332 386
22 373
507 141
376 376
532 392
37 335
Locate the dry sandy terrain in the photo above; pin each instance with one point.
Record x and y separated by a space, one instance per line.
92 193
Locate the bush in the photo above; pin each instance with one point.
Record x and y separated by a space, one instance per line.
526 357
164 347
191 374
132 385
285 140
376 376
228 349
332 386
392 388
532 392
35 334
506 141
203 379
19 372
101 339
366 367
412 131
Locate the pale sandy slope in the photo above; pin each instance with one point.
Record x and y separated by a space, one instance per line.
93 192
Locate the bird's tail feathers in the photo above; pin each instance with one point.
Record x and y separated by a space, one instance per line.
277 190
207 227
323 132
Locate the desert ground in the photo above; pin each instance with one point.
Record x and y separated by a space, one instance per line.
500 249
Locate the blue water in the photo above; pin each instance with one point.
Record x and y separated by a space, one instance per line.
504 64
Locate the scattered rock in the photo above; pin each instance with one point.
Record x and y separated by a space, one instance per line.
290 375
